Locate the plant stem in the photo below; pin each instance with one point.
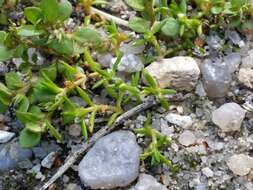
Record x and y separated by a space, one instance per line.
109 17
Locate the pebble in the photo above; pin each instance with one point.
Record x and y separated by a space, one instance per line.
216 78
112 162
180 120
240 164
129 63
187 138
3 68
6 136
245 76
207 172
73 186
48 161
74 130
11 154
228 117
105 59
180 73
148 182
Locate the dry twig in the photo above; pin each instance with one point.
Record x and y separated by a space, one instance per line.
73 157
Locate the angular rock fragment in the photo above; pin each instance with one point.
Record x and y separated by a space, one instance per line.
148 182
240 164
180 73
229 117
180 120
112 162
245 76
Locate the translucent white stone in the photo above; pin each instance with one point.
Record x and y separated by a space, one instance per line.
180 120
129 63
6 136
229 117
148 182
216 78
240 164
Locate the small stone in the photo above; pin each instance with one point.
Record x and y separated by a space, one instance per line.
48 161
240 164
187 138
35 169
148 182
39 152
215 42
207 172
132 48
129 63
3 68
6 136
11 154
235 38
181 121
200 91
229 117
74 130
233 61
245 76
180 73
65 179
79 101
216 78
72 186
247 62
112 162
105 59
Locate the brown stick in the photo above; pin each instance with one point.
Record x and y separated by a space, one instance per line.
73 157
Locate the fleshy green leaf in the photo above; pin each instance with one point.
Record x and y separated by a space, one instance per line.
33 14
64 46
139 25
87 35
27 139
5 53
84 96
149 79
137 5
3 36
54 10
13 80
29 30
5 94
171 27
35 127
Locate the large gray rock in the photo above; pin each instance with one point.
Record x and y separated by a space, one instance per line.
180 73
229 117
11 154
148 182
216 78
112 162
